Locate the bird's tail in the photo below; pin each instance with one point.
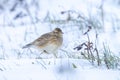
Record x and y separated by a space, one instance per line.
26 46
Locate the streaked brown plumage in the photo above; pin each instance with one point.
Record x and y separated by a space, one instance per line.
49 42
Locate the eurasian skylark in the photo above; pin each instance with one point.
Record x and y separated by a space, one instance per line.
48 42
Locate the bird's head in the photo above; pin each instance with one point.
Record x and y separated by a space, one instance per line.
58 32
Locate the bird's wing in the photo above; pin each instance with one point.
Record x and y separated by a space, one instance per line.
42 40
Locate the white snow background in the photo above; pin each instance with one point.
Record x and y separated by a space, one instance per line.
21 64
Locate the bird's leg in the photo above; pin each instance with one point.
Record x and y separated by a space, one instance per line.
39 55
45 51
55 56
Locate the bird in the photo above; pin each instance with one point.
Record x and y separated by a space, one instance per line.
49 42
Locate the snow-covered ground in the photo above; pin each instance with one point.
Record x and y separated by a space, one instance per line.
20 64
46 69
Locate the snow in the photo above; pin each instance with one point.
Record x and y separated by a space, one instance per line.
26 69
21 64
